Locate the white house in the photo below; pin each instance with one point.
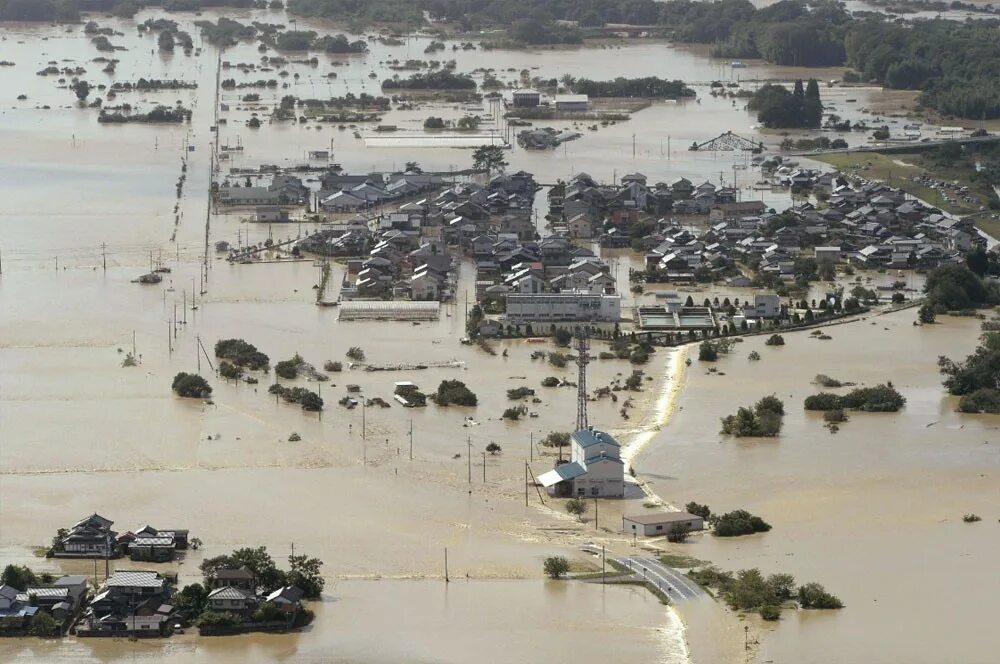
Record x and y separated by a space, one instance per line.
595 468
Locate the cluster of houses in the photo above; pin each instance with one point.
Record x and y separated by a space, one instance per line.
351 193
585 209
235 590
93 537
62 600
408 252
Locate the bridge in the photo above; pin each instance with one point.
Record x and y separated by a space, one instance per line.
728 141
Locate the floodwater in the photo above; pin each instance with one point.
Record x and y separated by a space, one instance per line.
490 621
873 512
82 434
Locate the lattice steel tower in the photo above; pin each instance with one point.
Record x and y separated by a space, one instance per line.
582 359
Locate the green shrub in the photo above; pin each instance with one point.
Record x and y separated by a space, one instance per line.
823 401
520 393
775 340
289 369
557 439
454 392
708 352
983 400
770 612
814 596
241 353
191 385
229 370
550 381
556 567
698 510
739 522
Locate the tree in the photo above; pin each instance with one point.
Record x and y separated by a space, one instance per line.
556 439
814 596
556 567
311 401
493 448
489 158
125 9
978 261
42 624
434 122
980 370
708 352
18 576
698 510
289 369
165 41
563 337
925 314
81 88
739 522
356 353
577 507
191 385
955 287
268 612
412 167
454 392
678 533
190 601
305 573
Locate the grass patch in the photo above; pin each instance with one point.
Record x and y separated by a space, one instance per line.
583 567
680 560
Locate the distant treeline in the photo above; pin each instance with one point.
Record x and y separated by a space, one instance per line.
650 87
158 114
69 10
956 65
438 80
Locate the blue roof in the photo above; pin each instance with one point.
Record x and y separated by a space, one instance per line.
589 437
568 471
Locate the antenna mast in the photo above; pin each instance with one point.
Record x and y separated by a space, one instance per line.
582 359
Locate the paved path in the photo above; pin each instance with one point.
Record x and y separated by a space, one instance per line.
674 584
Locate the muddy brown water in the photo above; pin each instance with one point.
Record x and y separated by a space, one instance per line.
78 433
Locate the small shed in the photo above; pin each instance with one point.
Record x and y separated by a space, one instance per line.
660 523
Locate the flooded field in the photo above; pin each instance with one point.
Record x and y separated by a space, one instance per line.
873 512
82 434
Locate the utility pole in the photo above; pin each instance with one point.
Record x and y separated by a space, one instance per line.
446 579
197 352
525 483
411 439
633 146
604 566
484 467
469 455
104 256
595 512
133 344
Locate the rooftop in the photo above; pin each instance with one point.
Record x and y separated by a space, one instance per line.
590 437
660 517
134 579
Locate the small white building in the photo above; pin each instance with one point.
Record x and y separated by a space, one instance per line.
595 468
660 523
